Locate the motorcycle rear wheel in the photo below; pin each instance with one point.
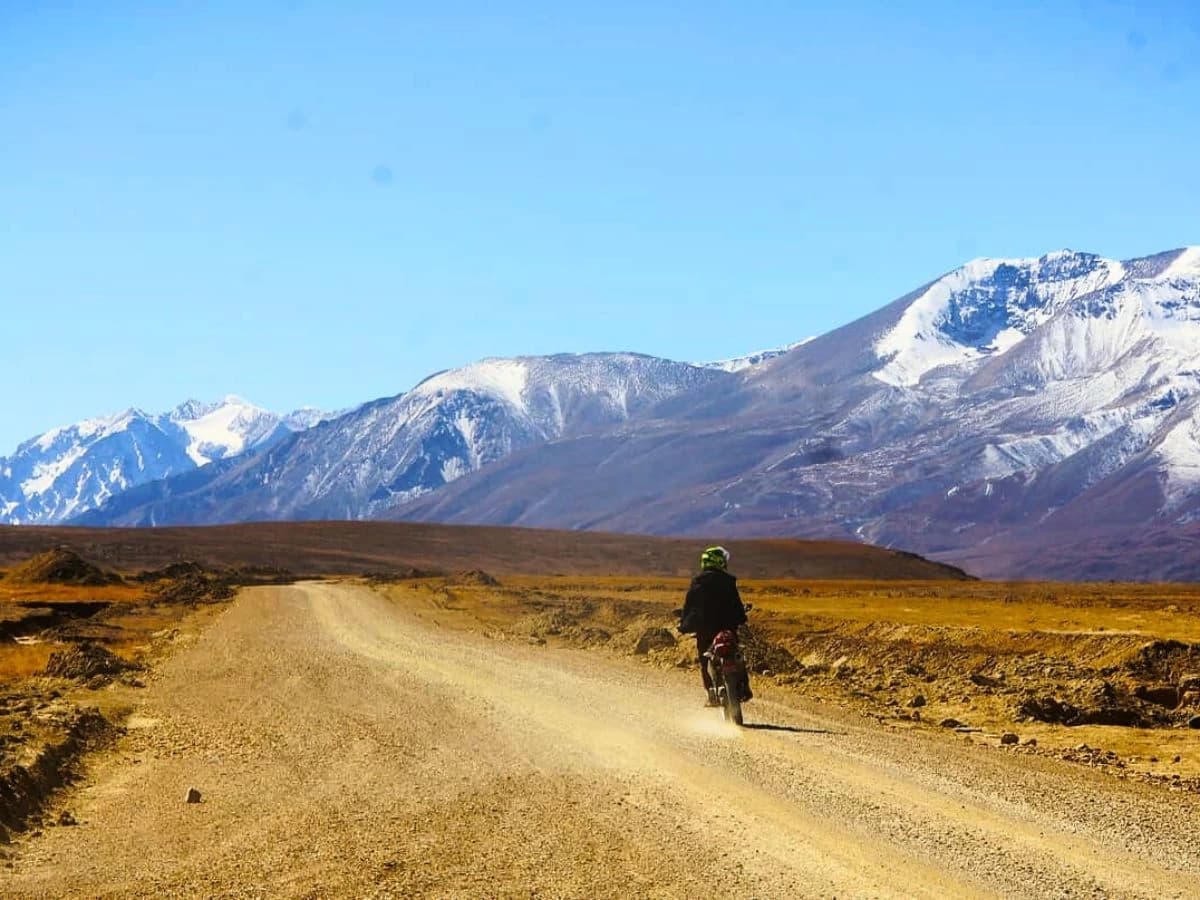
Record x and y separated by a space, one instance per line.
732 708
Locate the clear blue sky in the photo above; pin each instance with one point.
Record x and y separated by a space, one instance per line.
320 203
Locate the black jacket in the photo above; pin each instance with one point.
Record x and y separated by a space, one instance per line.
713 603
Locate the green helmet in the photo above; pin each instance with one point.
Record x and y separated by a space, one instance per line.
714 558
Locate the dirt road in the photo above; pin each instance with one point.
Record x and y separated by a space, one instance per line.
343 747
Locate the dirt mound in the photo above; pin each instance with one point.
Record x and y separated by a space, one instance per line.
654 638
183 569
60 566
764 656
87 662
249 575
565 625
553 622
1165 661
190 583
476 576
1059 712
1075 694
196 587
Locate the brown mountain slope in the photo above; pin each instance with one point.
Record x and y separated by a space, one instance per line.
358 547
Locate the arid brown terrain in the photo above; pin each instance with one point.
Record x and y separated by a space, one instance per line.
440 726
348 548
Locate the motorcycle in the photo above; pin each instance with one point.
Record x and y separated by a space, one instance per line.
727 669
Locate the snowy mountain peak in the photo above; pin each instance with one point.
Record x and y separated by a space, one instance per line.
541 388
987 307
189 409
504 379
89 428
196 409
1185 265
74 468
226 428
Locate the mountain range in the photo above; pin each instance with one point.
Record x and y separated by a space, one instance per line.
392 451
1023 417
70 470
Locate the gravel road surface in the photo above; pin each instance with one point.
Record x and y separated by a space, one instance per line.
343 747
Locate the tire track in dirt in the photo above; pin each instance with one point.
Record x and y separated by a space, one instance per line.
346 748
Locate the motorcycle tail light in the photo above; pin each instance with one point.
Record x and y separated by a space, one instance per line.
725 644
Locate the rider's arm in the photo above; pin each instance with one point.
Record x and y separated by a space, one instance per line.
691 610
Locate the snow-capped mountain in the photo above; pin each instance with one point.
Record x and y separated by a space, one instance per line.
990 417
986 308
72 469
394 450
1011 416
1067 357
229 427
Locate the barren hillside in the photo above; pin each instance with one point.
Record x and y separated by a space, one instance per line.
360 547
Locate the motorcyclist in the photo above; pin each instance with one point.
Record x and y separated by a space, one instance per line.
712 605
